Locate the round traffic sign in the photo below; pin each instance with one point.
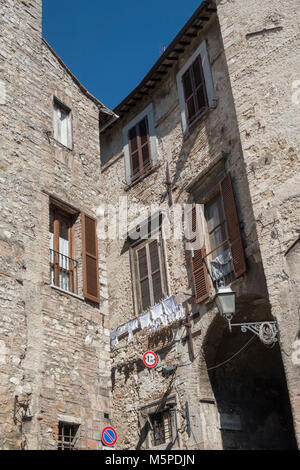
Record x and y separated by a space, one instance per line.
109 436
150 359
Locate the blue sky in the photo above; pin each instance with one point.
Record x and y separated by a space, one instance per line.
111 45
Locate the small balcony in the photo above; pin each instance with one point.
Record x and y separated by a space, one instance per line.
63 272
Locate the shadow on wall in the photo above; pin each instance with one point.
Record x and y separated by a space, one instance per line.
250 390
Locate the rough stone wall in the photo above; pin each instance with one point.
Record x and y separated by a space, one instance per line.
54 347
188 156
261 41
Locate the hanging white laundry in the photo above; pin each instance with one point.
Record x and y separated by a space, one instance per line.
113 342
122 329
145 320
157 311
170 308
164 320
155 325
114 338
132 326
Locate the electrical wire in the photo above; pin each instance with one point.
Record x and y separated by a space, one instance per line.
232 357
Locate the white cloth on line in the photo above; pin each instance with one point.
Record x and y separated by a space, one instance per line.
113 342
132 326
169 305
122 329
221 265
114 338
145 320
157 311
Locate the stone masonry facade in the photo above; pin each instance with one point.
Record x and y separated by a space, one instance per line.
212 388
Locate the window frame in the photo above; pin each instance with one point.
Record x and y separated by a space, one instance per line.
198 113
71 445
137 292
139 150
60 213
58 106
149 113
201 51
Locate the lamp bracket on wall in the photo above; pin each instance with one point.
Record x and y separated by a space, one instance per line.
266 331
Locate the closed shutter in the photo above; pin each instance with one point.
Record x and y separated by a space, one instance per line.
155 272
194 90
144 278
233 227
199 268
139 148
90 258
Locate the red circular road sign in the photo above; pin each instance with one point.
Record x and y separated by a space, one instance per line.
109 436
150 359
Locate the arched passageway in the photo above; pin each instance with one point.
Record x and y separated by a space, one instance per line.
250 390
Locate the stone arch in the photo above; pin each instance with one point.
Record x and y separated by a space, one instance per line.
244 403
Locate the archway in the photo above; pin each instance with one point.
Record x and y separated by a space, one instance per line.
249 388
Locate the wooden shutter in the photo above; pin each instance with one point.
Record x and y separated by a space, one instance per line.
199 268
144 278
139 148
194 90
90 258
233 227
155 271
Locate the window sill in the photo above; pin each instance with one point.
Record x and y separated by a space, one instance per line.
63 146
193 126
151 170
66 292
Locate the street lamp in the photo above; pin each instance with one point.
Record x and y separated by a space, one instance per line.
225 301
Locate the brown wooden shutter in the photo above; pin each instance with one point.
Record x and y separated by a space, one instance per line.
155 271
91 288
144 278
233 227
199 268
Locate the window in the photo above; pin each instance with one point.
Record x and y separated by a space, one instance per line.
222 256
62 124
63 266
150 278
67 436
219 250
161 428
69 239
139 147
195 87
194 91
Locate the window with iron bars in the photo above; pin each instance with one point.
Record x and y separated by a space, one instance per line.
68 436
63 266
161 428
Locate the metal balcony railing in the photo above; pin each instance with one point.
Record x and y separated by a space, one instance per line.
63 272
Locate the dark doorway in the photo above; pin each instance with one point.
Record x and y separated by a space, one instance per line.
250 391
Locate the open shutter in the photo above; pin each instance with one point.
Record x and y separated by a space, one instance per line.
233 227
199 268
90 258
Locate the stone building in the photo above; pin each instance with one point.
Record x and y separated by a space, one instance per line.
54 333
212 129
213 123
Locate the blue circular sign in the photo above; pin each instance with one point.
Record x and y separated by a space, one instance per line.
109 436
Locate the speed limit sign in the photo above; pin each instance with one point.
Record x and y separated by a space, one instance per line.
150 359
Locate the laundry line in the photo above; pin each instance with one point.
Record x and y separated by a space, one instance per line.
162 314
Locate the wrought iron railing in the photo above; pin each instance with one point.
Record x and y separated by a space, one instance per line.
63 272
